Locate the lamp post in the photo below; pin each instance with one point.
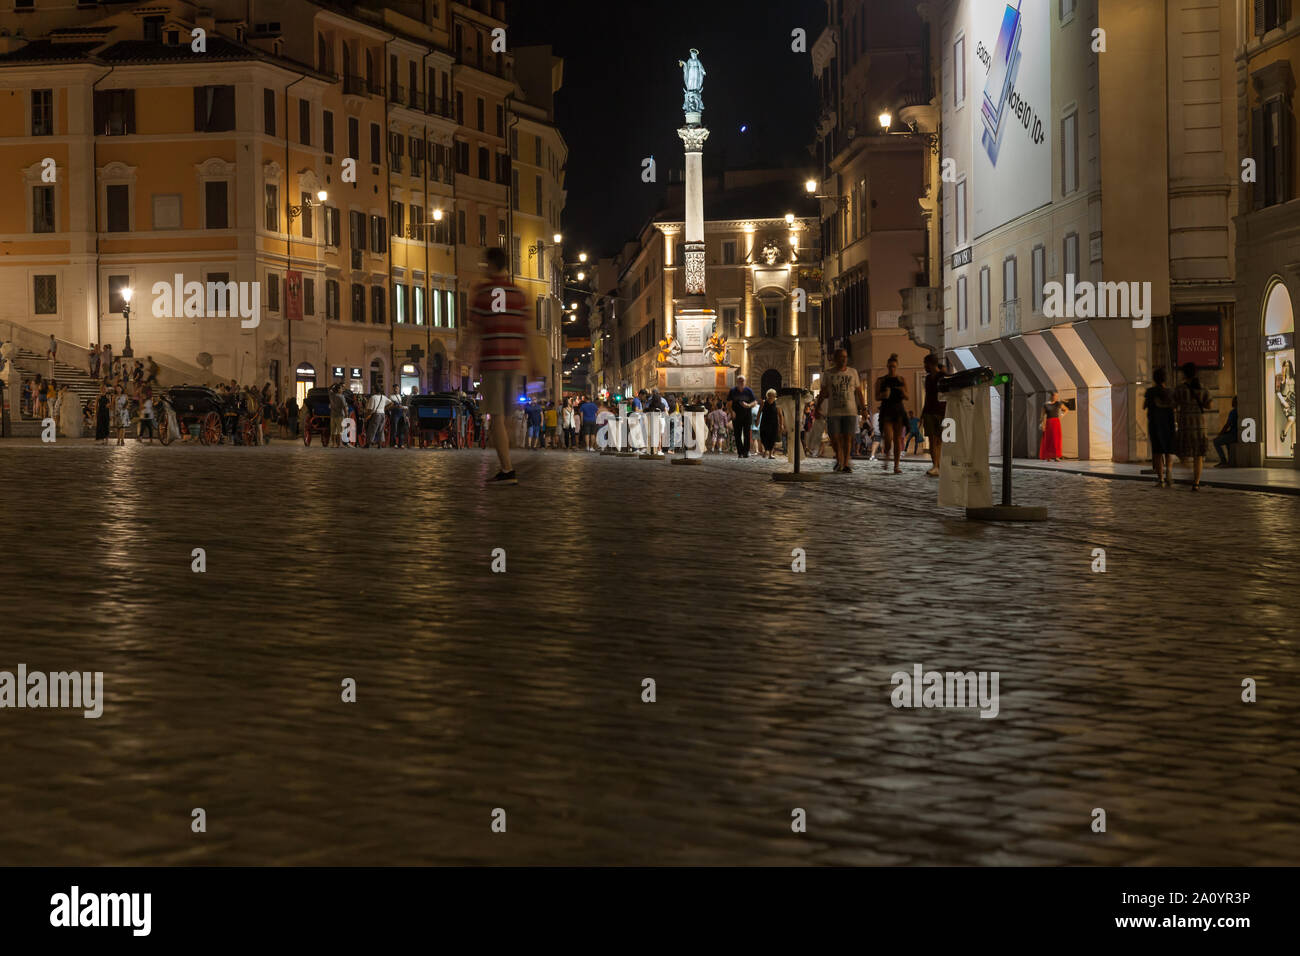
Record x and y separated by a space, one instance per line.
126 314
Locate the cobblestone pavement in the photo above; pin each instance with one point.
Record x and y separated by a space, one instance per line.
522 690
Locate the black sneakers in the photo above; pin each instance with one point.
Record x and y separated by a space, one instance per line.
504 478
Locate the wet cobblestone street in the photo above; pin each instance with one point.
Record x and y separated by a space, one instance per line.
522 690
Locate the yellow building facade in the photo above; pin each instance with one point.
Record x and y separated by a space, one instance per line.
538 154
184 158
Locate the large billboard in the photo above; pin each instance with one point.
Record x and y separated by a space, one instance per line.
1010 98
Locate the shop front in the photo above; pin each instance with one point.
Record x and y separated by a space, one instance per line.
1278 381
305 379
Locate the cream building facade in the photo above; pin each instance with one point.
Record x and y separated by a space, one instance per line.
171 158
1108 167
1267 64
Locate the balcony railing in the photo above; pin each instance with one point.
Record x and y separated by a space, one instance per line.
396 93
440 106
415 100
1009 313
355 86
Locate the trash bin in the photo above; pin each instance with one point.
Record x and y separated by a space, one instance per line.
964 465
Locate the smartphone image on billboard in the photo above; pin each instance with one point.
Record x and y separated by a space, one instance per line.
998 85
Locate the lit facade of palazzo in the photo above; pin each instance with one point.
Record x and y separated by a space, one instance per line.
761 248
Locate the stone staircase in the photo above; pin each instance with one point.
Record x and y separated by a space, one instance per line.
28 364
29 359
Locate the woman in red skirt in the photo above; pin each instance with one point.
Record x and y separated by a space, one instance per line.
1050 448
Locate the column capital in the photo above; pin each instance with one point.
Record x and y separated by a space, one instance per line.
693 137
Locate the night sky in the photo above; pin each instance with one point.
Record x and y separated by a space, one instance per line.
622 96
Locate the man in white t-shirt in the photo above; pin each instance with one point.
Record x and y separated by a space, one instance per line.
376 412
841 390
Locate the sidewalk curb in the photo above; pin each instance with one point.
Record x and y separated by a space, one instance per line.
1206 481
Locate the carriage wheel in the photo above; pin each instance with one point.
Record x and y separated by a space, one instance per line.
165 436
250 431
210 429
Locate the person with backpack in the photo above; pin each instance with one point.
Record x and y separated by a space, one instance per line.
1191 401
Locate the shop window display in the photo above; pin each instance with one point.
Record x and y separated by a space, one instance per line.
1279 374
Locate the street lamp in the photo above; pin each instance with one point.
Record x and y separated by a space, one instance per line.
296 211
437 215
126 314
810 186
911 129
789 219
557 238
582 257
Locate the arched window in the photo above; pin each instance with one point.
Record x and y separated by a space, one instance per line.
435 373
1279 373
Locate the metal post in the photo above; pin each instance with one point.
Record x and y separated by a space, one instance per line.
798 428
796 425
1008 394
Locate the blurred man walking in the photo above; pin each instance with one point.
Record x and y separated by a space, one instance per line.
497 326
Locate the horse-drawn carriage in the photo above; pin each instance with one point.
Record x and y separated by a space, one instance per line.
316 415
191 410
447 419
200 412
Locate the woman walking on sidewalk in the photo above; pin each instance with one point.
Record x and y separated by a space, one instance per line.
891 391
1191 402
1049 449
1159 403
771 424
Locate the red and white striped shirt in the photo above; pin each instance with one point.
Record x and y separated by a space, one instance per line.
498 310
